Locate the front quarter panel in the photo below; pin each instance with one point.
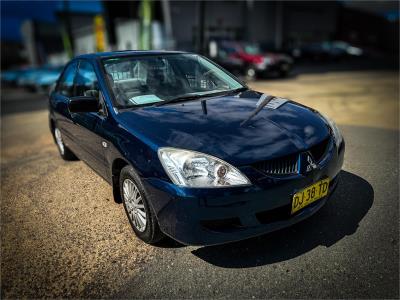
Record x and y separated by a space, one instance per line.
133 148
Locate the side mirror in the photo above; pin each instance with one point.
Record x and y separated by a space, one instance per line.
83 104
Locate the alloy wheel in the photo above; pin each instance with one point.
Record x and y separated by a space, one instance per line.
60 143
134 205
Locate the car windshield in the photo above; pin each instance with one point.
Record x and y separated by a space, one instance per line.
252 49
149 79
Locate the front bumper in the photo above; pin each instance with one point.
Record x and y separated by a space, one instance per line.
221 215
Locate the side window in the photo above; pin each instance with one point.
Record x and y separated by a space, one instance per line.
86 84
66 84
86 80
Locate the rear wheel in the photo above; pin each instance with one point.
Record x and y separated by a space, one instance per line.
137 208
64 151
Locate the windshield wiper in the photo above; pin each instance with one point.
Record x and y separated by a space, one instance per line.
197 96
180 98
235 91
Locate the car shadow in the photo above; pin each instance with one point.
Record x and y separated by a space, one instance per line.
338 218
168 242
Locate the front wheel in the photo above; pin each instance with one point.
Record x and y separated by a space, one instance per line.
137 207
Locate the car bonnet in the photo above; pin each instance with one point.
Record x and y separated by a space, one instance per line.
218 126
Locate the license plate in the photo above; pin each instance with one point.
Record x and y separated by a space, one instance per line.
310 194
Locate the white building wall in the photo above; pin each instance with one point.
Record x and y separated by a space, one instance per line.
85 44
158 36
58 59
27 32
85 40
127 34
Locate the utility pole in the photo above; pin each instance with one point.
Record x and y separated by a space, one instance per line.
145 14
247 13
278 25
167 23
200 34
67 33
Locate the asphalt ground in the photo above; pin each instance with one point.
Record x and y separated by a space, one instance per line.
63 236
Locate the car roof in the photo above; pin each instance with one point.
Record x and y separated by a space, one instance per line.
126 53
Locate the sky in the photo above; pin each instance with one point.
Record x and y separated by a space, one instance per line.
13 13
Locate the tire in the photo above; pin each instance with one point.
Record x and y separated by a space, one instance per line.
250 74
135 200
64 151
284 73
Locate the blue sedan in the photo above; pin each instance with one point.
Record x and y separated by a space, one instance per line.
190 150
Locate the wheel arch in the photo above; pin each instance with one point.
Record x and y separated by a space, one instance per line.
52 125
117 165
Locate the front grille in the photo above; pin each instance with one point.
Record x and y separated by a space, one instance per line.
317 151
280 166
288 165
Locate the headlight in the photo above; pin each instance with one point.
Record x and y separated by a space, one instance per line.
335 130
195 169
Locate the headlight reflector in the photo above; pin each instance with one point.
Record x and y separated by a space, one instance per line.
194 169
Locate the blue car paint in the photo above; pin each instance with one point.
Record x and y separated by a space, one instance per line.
211 126
290 128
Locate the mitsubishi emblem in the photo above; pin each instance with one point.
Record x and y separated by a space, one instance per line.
311 165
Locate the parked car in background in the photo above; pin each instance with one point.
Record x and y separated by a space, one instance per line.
326 50
25 79
47 78
247 59
190 151
40 78
10 77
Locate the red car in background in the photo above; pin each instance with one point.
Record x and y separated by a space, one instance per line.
247 59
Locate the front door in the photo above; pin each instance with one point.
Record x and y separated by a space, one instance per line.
59 102
88 126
